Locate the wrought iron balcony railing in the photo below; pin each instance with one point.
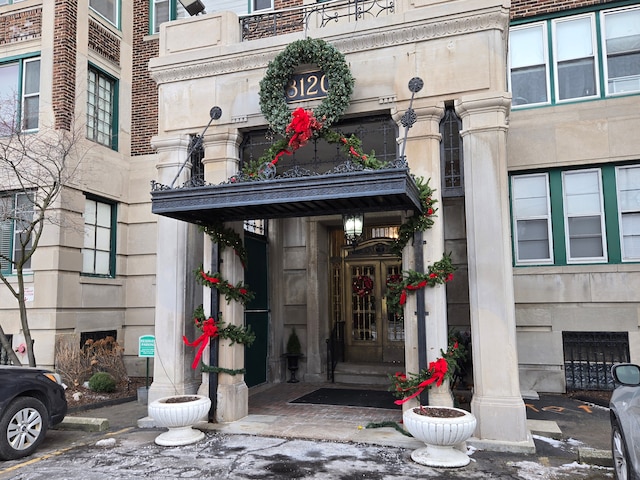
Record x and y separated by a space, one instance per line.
314 16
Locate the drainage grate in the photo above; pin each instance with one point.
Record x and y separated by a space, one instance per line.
588 357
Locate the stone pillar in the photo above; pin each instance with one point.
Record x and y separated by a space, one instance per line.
233 393
496 402
423 155
221 161
172 373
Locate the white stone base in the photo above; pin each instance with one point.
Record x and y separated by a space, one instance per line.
178 436
437 456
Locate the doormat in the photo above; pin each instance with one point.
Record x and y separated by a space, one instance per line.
350 398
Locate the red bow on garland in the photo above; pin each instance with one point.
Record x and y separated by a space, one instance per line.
437 370
209 330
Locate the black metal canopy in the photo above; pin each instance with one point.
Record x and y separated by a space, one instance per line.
336 193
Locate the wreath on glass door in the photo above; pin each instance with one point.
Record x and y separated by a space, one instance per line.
362 285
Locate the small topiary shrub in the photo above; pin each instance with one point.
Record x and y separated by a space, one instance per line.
102 382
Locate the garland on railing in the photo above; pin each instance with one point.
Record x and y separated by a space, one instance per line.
226 237
303 127
239 292
398 287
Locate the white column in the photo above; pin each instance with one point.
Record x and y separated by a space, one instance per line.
172 373
496 402
221 161
423 156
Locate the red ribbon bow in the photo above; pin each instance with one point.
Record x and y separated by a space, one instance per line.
209 330
438 370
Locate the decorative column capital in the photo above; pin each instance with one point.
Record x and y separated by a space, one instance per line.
482 112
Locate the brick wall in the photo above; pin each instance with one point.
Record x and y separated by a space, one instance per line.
64 62
144 108
529 8
19 26
104 42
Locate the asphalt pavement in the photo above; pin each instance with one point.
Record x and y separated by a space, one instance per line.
272 447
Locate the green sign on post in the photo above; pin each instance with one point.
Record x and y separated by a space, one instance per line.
147 346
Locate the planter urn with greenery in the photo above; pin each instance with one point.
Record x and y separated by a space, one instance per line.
293 354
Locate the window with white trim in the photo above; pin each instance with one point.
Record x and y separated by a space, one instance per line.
98 251
532 219
109 9
586 59
16 215
621 47
257 5
628 194
19 95
101 107
584 216
593 215
528 59
574 66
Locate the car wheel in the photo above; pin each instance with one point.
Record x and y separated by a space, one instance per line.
621 463
23 426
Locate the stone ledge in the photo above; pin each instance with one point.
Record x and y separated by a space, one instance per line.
593 456
527 446
84 424
547 428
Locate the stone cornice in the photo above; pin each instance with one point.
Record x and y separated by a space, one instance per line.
405 33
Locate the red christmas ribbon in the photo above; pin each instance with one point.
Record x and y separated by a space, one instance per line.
209 330
438 370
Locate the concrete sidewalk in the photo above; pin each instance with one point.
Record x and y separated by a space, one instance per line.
561 427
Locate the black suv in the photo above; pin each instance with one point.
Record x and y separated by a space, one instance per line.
31 401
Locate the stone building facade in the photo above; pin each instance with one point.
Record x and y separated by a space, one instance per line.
525 312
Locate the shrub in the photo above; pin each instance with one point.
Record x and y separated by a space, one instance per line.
102 382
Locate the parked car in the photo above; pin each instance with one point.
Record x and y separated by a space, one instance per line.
31 401
625 421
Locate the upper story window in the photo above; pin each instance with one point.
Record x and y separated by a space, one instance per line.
165 10
628 192
19 95
532 218
101 108
575 57
16 216
98 251
257 5
109 9
577 216
621 47
584 216
9 2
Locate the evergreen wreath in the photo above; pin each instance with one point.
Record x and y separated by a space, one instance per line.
362 285
279 71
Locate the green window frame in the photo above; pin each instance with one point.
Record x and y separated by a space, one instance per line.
99 246
591 54
589 207
102 108
16 215
107 9
19 94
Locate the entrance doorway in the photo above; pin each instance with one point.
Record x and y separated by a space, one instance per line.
372 333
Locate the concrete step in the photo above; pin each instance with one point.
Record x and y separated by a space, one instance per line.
366 373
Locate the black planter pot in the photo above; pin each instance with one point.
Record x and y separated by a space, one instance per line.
292 365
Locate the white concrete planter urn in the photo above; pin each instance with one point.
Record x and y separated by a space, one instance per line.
179 413
440 428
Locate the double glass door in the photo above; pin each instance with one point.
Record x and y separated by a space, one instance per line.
372 334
